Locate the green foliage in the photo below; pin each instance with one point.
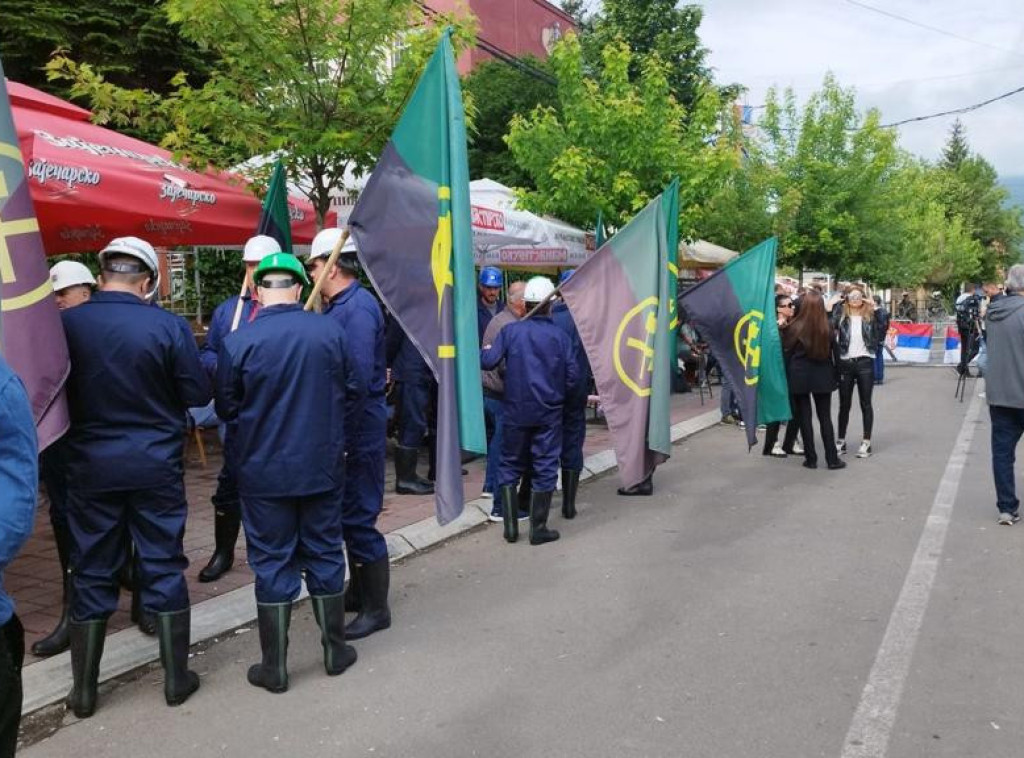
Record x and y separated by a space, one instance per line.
956 150
500 92
314 81
614 145
221 273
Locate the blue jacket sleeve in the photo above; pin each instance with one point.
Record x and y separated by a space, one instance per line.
192 380
357 385
218 330
491 355
573 379
228 390
19 475
360 339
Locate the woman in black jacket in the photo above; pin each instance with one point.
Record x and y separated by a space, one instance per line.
809 348
858 341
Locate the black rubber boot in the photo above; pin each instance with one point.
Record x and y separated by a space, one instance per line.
353 593
407 481
540 506
509 512
86 642
329 612
644 489
174 630
570 484
225 535
58 641
374 581
273 620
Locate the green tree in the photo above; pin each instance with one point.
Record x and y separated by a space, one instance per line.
614 144
318 82
956 150
500 92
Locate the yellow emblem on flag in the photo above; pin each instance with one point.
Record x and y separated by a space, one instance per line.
648 311
747 341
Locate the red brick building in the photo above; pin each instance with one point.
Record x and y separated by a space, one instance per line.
510 27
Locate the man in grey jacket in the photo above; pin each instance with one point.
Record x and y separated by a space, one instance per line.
1004 388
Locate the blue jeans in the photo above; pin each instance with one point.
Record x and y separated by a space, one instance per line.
1007 428
728 404
879 364
493 412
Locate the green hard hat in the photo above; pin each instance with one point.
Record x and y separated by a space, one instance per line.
283 263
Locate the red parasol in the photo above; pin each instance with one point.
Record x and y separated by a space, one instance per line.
90 184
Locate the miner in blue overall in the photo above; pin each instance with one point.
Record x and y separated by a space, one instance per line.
574 412
234 313
72 286
414 389
488 303
135 371
287 383
540 372
359 314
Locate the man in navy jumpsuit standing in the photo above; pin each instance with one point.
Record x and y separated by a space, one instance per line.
226 506
574 412
134 373
359 314
540 372
414 387
287 383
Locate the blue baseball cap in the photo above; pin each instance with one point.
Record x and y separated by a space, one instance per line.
490 277
564 276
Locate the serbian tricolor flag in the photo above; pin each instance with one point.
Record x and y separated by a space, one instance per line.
952 352
31 335
911 343
413 234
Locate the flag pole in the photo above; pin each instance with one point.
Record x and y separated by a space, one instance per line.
241 302
333 259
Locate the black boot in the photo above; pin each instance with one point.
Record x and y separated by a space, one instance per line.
570 483
509 512
353 593
540 506
174 630
374 581
645 489
272 673
329 612
225 535
57 641
86 641
407 481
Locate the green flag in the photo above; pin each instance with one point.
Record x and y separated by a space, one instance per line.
618 299
412 229
275 220
734 310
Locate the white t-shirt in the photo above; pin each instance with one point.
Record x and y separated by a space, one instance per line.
857 348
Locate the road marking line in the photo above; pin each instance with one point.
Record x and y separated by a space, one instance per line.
873 720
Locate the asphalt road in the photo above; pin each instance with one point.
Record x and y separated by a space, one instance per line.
739 612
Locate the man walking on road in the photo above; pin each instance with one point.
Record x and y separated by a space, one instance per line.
287 383
1004 389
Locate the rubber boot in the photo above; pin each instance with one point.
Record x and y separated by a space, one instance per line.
225 535
272 673
329 612
644 489
540 506
407 481
353 593
174 631
374 581
570 484
509 512
57 641
86 642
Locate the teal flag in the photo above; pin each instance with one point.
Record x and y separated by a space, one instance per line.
275 221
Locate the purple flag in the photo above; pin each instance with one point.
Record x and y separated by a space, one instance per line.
31 335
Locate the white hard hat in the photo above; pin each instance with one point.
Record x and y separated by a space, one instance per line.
136 248
258 247
538 289
324 242
69 273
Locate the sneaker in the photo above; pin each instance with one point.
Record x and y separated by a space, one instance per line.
1008 519
798 449
728 419
841 447
864 451
777 451
487 495
496 516
524 515
741 424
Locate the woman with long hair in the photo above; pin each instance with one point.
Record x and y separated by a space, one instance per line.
855 329
785 310
809 348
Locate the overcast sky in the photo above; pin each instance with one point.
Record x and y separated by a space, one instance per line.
902 69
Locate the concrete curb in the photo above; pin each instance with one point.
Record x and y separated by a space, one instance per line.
49 681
